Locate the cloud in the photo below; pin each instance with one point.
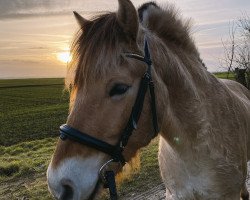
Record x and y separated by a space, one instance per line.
15 8
30 8
20 61
38 48
30 14
27 8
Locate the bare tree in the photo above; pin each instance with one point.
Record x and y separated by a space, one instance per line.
229 52
237 50
244 23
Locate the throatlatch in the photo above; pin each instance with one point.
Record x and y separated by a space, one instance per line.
115 151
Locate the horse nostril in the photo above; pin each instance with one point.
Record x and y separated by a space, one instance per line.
67 192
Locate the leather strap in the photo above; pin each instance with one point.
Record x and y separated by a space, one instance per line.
67 132
153 107
111 185
136 111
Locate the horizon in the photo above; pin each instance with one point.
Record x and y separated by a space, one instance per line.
36 36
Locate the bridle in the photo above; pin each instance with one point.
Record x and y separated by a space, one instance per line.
115 151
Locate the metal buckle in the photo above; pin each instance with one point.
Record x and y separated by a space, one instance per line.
102 170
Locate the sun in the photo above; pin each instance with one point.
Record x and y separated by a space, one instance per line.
64 57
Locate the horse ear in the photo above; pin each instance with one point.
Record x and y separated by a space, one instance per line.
80 20
127 18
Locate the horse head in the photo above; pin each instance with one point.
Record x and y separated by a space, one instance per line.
108 66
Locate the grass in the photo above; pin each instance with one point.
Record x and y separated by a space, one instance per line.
30 82
25 158
225 75
23 167
31 111
24 106
148 176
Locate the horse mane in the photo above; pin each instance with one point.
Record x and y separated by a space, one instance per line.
167 23
97 44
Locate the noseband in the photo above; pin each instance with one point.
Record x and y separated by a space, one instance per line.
115 151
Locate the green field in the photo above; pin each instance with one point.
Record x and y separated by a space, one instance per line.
225 75
31 111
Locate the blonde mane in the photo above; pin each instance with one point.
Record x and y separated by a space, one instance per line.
96 47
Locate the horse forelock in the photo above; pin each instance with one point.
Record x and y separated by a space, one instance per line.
96 49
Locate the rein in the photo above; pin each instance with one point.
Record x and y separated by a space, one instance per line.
115 151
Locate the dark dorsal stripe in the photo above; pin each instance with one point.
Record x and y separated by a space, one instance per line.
144 8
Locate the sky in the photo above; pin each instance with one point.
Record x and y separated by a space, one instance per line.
35 35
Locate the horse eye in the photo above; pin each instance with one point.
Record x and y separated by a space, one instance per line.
118 89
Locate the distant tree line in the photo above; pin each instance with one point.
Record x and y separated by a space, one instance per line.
237 50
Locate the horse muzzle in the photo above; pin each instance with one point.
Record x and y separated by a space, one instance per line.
75 178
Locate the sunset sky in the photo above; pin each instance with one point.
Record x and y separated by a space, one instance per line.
35 35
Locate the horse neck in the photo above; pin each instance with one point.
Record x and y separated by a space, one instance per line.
182 80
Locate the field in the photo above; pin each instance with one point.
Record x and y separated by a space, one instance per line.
31 112
24 103
225 75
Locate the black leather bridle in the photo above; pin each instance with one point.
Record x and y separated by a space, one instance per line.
115 151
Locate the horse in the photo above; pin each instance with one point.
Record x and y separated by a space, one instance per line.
203 121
